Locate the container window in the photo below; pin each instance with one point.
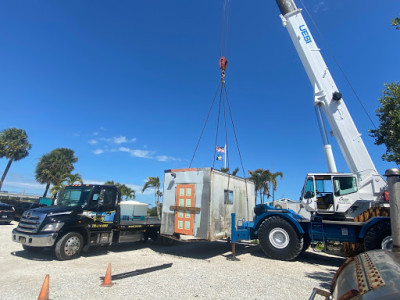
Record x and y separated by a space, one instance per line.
188 192
228 197
187 225
187 214
181 202
180 224
182 192
180 214
188 202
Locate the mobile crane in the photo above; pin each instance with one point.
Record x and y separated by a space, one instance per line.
343 207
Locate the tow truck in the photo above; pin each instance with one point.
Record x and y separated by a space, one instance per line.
84 216
335 208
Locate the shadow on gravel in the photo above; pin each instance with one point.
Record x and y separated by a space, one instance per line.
204 250
317 258
324 278
308 257
138 272
195 250
37 254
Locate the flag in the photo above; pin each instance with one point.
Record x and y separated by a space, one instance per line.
219 157
220 149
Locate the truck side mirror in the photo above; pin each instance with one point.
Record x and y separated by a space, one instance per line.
100 201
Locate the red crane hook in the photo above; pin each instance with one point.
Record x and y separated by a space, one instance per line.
223 63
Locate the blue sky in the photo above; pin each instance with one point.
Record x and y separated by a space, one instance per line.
127 84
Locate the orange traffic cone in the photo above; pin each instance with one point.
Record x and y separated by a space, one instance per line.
107 279
44 292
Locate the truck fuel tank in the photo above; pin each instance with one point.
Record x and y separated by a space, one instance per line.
369 275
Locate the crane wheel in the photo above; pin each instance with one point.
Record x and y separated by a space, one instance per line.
352 249
279 239
375 235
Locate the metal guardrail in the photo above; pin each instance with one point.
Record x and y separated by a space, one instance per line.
14 198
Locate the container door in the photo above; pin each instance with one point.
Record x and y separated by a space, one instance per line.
184 218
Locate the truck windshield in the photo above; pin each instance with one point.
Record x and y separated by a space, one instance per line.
73 197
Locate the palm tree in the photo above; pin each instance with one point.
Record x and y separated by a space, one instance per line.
109 182
14 146
126 191
53 166
274 182
72 178
68 180
226 170
261 179
154 182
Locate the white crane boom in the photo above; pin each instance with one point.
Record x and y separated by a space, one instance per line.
328 98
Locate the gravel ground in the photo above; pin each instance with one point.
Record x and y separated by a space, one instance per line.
201 270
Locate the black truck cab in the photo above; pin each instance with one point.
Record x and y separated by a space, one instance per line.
83 216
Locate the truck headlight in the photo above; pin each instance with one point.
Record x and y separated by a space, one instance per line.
53 227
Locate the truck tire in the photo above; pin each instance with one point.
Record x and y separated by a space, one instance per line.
279 239
69 246
375 235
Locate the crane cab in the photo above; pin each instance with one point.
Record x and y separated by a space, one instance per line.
330 193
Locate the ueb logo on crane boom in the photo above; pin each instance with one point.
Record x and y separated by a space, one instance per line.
305 34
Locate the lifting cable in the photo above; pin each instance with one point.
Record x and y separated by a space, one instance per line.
226 107
338 65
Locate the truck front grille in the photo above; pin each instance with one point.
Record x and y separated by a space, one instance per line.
30 222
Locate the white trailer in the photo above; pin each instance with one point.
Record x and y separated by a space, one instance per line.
198 203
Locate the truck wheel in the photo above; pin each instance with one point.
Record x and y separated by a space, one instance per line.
279 240
69 246
375 235
154 235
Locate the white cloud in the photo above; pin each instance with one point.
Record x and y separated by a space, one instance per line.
93 181
137 152
98 151
25 185
119 140
136 187
108 140
165 158
93 142
320 6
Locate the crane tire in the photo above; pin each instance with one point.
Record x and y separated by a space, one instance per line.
279 239
375 235
69 246
306 243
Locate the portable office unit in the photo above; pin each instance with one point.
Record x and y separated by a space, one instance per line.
198 203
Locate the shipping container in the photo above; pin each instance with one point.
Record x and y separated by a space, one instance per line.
198 203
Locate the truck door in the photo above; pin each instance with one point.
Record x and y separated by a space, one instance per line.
103 202
308 194
324 193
